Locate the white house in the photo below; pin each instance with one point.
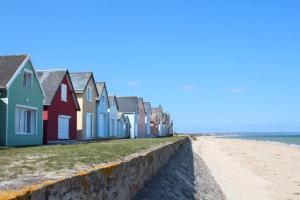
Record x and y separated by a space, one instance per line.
148 113
102 111
113 117
129 107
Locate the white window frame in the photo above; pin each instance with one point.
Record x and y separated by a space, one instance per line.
26 71
26 108
64 96
89 94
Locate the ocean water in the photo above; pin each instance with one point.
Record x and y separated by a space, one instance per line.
291 139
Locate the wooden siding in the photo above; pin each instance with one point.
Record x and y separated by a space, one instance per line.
2 118
57 108
102 107
86 107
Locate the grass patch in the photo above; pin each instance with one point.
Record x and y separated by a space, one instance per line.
15 162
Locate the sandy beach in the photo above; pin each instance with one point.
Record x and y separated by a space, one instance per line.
252 169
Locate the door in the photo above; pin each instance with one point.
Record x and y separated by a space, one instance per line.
101 125
89 126
63 128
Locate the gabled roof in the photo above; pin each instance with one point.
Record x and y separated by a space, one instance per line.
80 81
141 103
111 99
147 106
128 104
9 65
100 87
159 113
51 80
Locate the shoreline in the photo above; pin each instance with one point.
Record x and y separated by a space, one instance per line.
253 140
252 169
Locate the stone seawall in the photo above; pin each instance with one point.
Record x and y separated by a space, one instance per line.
118 180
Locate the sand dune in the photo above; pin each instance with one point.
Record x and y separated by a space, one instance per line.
250 169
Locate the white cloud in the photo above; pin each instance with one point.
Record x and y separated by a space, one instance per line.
134 83
237 90
188 88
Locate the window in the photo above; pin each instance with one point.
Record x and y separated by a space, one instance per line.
146 121
25 121
27 79
64 92
89 94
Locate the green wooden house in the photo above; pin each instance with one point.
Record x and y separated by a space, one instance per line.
21 102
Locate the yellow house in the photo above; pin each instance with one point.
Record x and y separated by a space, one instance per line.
87 93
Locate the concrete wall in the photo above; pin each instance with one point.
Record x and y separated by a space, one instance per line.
119 180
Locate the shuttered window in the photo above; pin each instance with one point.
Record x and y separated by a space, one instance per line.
89 94
27 79
64 92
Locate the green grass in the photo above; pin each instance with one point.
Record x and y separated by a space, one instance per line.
28 160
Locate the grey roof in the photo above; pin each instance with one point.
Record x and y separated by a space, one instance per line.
128 104
111 101
50 81
100 87
8 67
80 80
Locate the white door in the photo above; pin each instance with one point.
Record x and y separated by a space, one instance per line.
89 126
101 125
63 128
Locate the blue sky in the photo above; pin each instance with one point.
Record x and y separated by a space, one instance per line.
214 65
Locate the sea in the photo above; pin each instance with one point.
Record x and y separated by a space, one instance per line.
286 138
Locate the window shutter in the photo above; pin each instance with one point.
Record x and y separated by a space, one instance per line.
63 92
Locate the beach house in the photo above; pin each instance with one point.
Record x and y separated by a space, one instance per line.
148 113
113 117
129 107
159 114
154 124
142 115
60 106
102 116
87 94
21 102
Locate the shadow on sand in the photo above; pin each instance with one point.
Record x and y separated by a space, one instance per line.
185 176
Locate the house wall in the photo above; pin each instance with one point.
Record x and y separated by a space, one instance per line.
121 130
142 130
58 107
113 121
33 97
3 107
102 107
133 118
148 124
86 107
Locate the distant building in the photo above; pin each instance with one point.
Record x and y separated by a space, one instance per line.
87 94
142 115
113 117
102 117
130 108
148 113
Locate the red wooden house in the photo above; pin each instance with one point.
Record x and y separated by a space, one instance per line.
60 106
